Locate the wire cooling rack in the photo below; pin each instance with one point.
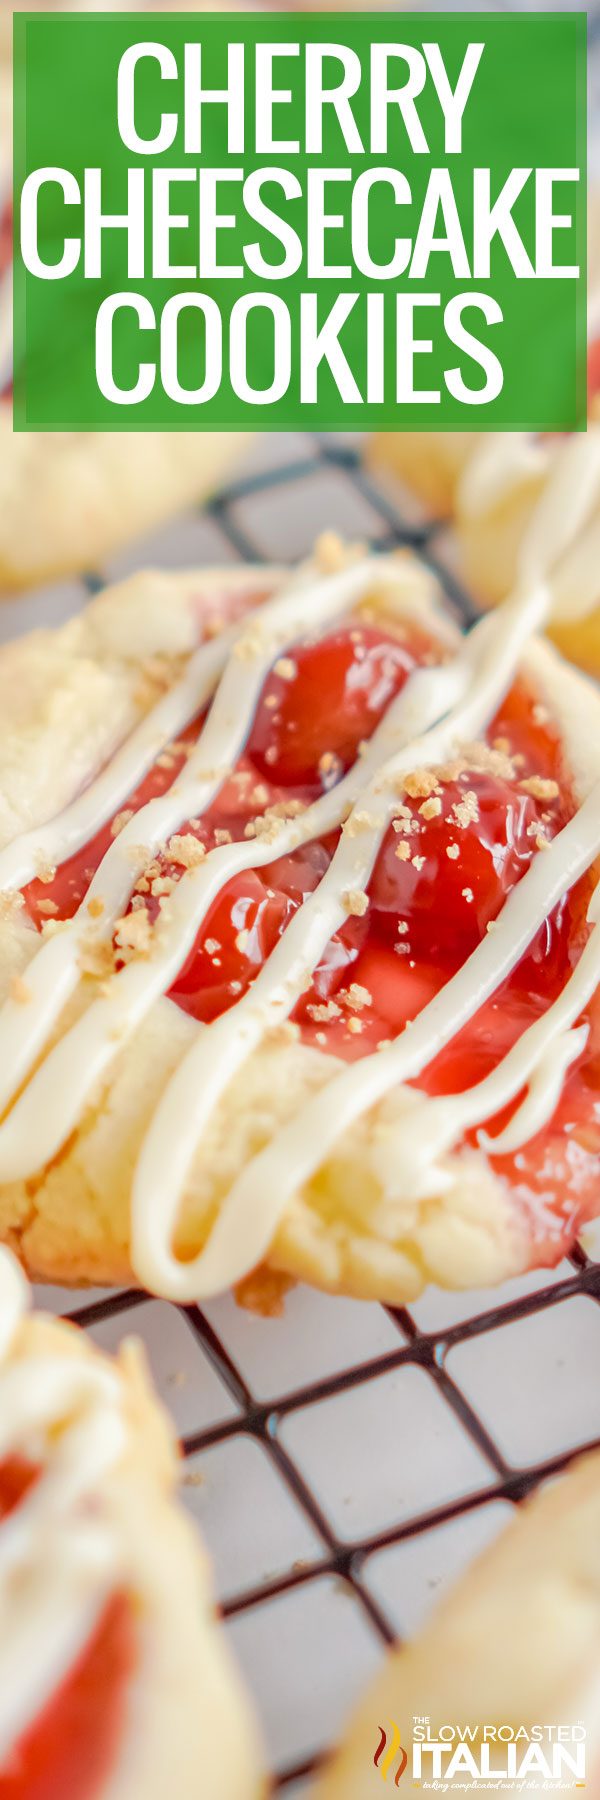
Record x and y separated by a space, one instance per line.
346 1460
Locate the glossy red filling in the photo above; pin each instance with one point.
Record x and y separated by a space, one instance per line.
440 880
69 1752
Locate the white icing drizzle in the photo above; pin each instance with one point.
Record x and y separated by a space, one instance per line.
437 709
54 972
72 829
204 1073
538 1061
59 1561
248 1219
47 1111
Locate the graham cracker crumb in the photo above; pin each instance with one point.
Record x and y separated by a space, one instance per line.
185 850
539 788
421 784
466 810
483 760
356 902
264 1291
431 809
45 871
162 884
356 996
120 820
286 668
134 933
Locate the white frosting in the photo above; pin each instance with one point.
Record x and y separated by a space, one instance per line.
538 1062
54 972
437 709
53 843
59 1560
484 664
250 1214
47 1111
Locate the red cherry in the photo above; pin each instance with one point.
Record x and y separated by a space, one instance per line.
339 691
73 1745
456 877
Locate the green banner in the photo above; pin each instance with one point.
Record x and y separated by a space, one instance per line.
323 221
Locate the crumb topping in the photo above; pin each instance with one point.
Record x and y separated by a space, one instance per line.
356 902
186 850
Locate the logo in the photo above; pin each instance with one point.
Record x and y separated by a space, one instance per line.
386 1754
502 1758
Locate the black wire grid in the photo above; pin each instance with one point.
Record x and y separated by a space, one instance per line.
261 1421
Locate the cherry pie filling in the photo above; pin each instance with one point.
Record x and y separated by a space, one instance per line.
71 1749
464 836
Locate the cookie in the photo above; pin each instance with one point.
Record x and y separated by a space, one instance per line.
492 485
491 488
298 936
115 1675
515 1647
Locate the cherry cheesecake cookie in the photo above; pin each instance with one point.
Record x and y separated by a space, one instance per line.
491 485
298 935
515 1648
116 1680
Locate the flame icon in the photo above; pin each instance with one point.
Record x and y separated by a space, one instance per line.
386 1754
